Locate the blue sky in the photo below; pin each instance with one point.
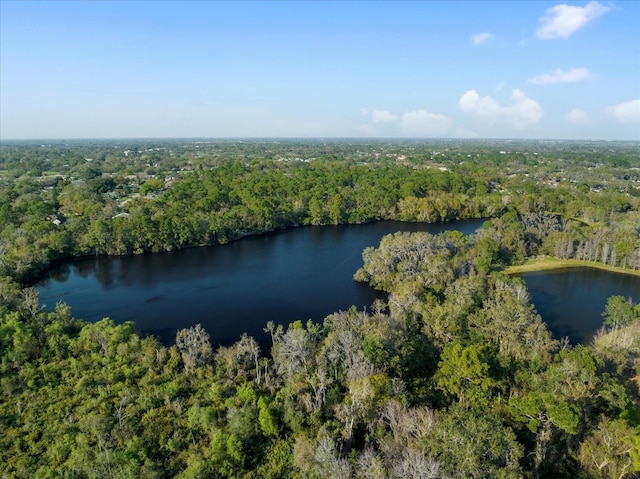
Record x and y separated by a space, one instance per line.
472 69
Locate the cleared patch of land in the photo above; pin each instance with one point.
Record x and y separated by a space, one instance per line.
546 263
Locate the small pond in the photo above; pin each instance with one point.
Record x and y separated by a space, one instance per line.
571 301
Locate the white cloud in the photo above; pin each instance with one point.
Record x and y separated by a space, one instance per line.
577 117
524 111
521 113
561 76
485 107
379 116
420 123
562 21
627 112
480 38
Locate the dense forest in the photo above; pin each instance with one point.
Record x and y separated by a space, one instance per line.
455 375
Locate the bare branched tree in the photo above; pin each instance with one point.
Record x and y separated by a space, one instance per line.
194 345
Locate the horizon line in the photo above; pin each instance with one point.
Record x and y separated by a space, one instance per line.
307 138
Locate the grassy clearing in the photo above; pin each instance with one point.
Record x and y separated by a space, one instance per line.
547 263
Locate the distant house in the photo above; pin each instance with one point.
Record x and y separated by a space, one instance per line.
55 219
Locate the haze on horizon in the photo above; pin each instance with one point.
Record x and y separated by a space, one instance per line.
528 70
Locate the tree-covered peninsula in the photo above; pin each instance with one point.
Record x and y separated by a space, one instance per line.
454 375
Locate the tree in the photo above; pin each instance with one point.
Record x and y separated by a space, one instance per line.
328 463
508 320
606 451
152 185
31 301
413 464
618 312
292 354
193 343
370 465
544 412
463 372
473 443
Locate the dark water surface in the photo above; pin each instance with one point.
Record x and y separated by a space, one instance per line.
303 273
571 301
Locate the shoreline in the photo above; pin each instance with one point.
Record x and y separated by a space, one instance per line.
549 263
36 276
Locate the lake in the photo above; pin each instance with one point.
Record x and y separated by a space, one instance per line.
301 273
571 301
